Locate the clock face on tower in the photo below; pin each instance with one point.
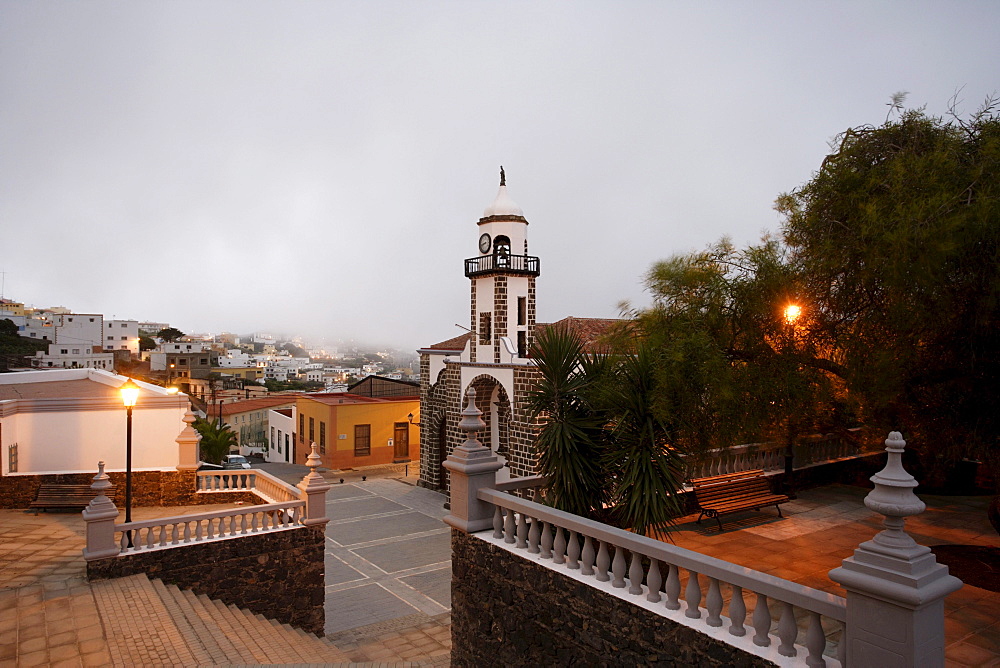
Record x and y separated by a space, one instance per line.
484 243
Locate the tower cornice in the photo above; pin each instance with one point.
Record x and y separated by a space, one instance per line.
503 218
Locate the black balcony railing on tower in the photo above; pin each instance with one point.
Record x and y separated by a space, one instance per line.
526 265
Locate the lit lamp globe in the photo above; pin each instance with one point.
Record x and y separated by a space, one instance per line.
130 393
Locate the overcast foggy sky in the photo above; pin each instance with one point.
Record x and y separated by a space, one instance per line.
319 167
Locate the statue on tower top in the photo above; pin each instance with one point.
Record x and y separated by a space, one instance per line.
503 177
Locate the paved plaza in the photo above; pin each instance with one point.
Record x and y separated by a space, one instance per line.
823 526
388 570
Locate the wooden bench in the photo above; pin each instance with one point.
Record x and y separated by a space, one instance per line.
733 493
66 496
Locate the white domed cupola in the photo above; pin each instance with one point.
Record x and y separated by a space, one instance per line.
503 205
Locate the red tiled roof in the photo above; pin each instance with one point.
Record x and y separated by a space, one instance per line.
457 343
336 398
589 330
231 408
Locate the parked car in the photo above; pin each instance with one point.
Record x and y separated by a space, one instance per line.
235 462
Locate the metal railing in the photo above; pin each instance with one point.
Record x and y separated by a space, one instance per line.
514 264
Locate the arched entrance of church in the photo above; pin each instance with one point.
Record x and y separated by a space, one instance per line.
492 400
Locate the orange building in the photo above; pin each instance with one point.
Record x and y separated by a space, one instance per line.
352 430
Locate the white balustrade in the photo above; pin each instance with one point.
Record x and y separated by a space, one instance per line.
770 457
187 529
640 564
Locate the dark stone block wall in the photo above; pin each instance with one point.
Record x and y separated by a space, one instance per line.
507 611
279 575
149 488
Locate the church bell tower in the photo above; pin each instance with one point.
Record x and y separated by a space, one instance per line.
503 284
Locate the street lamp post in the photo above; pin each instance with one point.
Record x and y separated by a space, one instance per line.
130 394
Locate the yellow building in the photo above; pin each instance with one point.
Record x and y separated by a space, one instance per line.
11 307
352 431
245 372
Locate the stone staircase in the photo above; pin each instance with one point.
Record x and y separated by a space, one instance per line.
148 622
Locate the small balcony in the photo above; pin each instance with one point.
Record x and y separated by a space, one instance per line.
501 263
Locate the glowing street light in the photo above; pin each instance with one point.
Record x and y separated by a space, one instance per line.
792 313
130 394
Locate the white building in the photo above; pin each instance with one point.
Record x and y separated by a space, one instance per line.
80 329
281 422
66 356
122 335
67 421
181 347
153 327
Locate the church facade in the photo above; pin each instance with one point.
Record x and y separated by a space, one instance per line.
492 357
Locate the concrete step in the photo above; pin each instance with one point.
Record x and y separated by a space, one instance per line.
139 627
193 631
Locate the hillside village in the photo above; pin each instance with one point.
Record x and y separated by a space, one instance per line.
256 385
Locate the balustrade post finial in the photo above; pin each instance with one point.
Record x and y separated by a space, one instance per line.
895 587
99 516
188 444
473 467
314 488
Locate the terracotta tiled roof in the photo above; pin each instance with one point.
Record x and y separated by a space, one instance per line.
589 330
336 398
231 408
457 343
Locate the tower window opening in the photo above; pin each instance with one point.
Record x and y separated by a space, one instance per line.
485 328
501 250
522 310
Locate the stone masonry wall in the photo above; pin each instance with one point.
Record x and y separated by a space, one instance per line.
149 488
279 575
509 611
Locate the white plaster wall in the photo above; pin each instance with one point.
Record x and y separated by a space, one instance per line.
80 329
284 425
130 331
503 376
73 441
516 232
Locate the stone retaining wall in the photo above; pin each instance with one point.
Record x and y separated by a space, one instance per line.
279 575
149 488
512 612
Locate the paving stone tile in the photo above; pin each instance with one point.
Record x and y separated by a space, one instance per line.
394 526
363 507
435 585
407 553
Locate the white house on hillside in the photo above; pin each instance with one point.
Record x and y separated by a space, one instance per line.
66 421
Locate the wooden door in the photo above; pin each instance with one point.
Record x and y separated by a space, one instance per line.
401 441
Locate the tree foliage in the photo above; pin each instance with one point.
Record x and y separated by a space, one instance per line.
568 440
146 343
12 343
892 250
170 334
897 242
216 440
605 451
729 367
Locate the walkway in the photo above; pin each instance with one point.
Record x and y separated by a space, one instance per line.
823 526
388 575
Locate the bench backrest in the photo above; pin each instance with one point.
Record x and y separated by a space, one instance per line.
747 483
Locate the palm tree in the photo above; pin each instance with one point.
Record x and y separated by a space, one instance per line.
645 469
569 439
216 440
